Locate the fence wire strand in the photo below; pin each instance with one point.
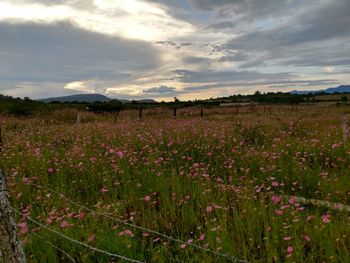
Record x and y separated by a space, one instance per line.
53 245
176 240
73 240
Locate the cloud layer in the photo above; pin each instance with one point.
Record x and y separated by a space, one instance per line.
161 48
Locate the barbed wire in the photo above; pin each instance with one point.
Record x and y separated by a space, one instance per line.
53 245
227 256
73 240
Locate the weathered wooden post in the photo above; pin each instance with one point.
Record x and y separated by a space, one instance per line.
78 118
140 113
0 139
11 250
202 112
175 112
116 116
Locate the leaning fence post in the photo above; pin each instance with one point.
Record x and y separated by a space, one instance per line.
11 250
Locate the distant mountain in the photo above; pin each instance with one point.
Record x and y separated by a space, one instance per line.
139 101
90 98
340 89
147 101
78 97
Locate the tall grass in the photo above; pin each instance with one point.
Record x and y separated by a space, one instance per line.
215 182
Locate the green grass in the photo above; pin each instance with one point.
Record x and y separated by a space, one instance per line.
231 163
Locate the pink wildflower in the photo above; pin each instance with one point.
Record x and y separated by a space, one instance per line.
126 232
91 237
276 199
104 190
64 224
209 208
326 218
275 184
279 212
307 238
24 228
292 200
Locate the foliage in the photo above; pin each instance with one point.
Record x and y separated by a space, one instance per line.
218 182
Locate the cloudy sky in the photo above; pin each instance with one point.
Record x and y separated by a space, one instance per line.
134 49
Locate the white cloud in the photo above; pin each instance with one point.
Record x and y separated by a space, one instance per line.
130 19
329 69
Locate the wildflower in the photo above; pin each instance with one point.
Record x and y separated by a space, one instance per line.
147 198
81 214
91 237
307 238
50 170
120 154
275 184
326 218
279 212
64 224
287 238
292 200
104 190
209 208
290 251
201 237
276 199
24 228
126 232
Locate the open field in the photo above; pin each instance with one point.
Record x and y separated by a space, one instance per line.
227 182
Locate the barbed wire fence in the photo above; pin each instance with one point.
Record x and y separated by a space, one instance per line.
144 229
74 240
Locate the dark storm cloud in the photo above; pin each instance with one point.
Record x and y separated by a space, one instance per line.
63 53
326 27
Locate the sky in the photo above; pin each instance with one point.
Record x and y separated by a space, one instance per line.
161 49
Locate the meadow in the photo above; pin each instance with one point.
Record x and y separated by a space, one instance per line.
227 184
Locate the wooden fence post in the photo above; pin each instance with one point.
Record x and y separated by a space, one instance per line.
202 112
174 112
11 250
140 113
0 139
78 118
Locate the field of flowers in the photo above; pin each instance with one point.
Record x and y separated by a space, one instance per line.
229 183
